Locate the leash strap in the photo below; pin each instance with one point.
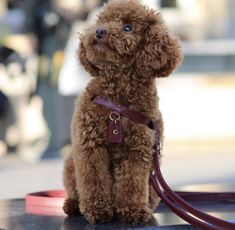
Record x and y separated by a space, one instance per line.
182 208
176 201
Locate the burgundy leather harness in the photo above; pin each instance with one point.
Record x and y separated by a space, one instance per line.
175 201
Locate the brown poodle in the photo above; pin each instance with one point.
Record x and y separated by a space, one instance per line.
127 48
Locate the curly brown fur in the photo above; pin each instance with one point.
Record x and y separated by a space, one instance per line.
106 178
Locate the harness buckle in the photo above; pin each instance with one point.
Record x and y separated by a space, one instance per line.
114 116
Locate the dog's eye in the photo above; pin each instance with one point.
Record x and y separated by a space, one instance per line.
127 28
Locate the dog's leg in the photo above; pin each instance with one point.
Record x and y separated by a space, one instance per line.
94 182
131 192
131 178
71 204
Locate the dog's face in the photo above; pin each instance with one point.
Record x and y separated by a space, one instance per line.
128 34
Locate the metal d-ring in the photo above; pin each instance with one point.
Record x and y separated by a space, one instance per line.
114 116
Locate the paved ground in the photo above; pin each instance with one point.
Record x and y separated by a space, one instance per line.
19 178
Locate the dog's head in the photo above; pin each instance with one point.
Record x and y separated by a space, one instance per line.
128 34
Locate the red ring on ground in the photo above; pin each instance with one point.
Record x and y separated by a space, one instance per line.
50 198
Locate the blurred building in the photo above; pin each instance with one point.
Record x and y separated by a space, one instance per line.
198 19
206 28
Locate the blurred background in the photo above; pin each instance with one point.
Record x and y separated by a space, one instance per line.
40 79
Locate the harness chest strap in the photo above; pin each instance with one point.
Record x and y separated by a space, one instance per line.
114 127
123 111
172 199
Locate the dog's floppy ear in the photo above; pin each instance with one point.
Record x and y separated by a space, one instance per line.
83 60
161 52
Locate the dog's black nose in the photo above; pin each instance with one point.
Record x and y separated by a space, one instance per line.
100 33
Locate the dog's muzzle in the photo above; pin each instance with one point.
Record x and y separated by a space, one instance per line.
100 33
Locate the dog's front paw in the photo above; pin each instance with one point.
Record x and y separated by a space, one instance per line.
134 214
71 207
97 211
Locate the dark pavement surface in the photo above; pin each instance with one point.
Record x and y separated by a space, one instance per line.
14 215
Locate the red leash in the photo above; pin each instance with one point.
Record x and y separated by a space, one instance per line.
174 201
